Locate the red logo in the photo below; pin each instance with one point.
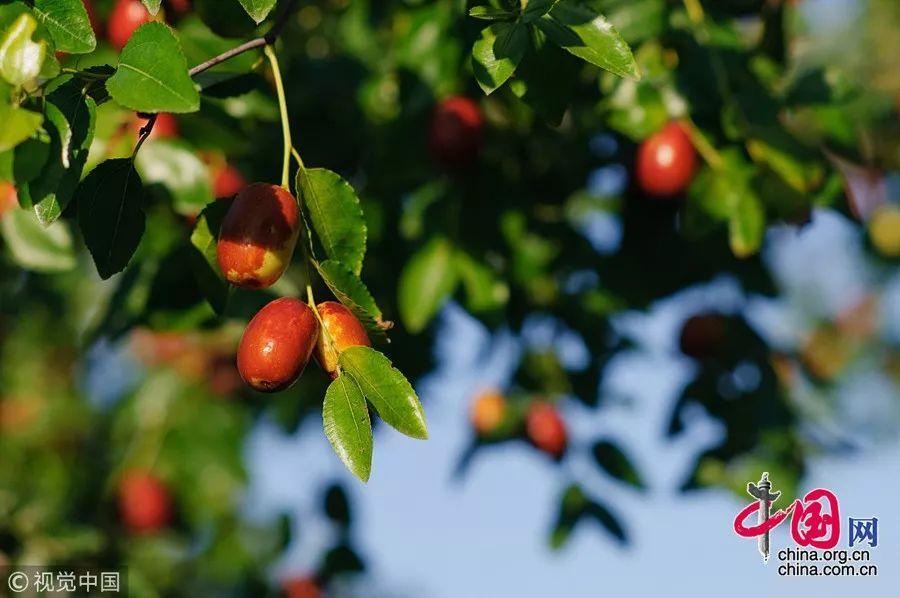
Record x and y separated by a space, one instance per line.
815 520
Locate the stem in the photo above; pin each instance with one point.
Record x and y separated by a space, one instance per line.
297 158
285 123
145 132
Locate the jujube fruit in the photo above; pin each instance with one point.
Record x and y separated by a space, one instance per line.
125 18
257 236
487 412
277 344
166 127
227 180
301 587
9 199
341 330
144 502
545 428
666 162
703 335
455 133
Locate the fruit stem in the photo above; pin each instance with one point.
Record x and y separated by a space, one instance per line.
285 123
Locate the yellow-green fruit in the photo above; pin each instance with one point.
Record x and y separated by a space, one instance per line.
884 230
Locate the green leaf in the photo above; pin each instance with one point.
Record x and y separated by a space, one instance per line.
152 5
206 265
173 165
111 215
497 53
333 207
21 57
589 36
484 290
34 247
152 75
352 292
346 420
489 13
534 9
68 24
614 462
258 9
747 226
387 389
72 116
428 279
18 125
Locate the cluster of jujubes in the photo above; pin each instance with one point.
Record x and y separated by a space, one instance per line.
255 246
494 418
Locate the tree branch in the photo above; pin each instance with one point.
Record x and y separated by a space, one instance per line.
266 40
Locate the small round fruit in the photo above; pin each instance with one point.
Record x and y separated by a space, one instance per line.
144 502
301 587
125 18
487 412
227 180
257 237
166 126
703 335
342 330
666 162
884 230
455 134
545 428
9 199
277 344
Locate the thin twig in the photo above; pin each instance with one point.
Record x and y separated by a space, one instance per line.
267 40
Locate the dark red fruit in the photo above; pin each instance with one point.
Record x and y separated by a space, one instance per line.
342 330
125 18
455 135
703 335
666 162
258 234
545 428
144 502
227 180
277 344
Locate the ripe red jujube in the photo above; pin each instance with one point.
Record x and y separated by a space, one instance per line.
125 18
545 428
227 180
144 502
277 344
455 134
342 330
666 162
257 237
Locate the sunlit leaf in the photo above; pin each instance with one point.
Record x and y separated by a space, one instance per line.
386 389
346 420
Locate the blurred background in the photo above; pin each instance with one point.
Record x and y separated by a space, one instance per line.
603 371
